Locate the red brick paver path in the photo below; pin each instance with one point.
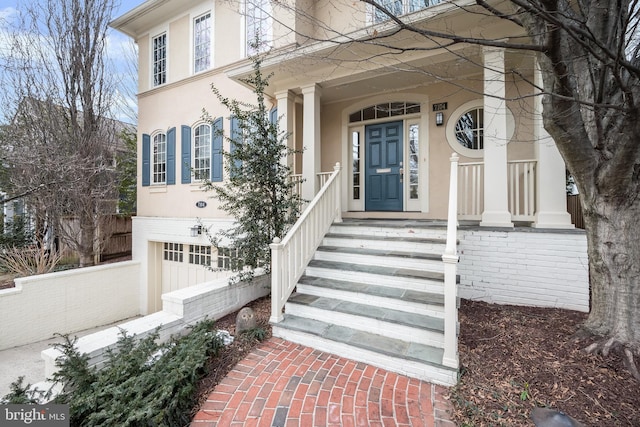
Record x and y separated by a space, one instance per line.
283 384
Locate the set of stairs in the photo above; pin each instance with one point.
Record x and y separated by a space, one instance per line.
374 293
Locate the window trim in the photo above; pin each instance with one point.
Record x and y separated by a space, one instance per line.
406 10
195 17
153 159
453 120
152 58
266 45
207 144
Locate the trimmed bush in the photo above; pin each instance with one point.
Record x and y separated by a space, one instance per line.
142 383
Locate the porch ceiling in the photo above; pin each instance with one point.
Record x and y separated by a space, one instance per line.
349 67
353 78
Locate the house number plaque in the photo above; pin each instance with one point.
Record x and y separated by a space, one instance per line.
201 204
440 106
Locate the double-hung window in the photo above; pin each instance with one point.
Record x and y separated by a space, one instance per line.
159 159
202 42
202 152
159 46
258 26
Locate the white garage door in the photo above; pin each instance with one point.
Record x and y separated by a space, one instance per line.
184 265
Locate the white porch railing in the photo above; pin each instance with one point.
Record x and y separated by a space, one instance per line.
470 190
450 260
322 178
297 180
290 256
522 189
521 176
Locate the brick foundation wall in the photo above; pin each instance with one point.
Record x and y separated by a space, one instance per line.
546 268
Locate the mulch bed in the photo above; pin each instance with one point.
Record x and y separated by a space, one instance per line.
512 360
516 358
242 345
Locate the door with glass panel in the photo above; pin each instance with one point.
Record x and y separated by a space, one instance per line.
383 169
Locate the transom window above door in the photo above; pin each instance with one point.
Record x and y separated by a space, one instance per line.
386 109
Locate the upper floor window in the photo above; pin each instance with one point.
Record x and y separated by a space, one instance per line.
399 7
202 152
159 59
202 42
159 159
258 25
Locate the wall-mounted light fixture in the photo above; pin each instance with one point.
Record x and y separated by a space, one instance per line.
439 118
196 230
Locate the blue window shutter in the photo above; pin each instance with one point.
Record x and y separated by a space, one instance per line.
273 115
171 156
216 150
235 136
146 160
186 154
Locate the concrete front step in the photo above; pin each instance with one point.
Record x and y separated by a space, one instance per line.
381 257
411 301
369 318
403 278
414 244
408 358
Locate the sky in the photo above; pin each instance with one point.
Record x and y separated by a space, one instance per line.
117 42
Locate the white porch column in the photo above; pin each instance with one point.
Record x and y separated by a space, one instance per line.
286 110
496 203
551 200
310 140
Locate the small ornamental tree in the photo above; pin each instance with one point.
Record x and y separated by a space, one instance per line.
258 188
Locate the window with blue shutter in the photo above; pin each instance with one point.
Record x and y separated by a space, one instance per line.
171 156
185 154
146 160
216 150
273 115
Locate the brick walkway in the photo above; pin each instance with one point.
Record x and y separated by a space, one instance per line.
284 384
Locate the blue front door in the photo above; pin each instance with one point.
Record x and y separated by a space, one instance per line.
383 171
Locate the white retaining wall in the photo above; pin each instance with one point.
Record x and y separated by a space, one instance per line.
181 308
68 301
545 268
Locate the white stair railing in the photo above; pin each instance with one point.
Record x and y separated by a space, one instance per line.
290 256
450 259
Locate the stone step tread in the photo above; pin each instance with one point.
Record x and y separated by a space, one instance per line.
368 311
390 223
380 270
392 347
407 295
405 239
382 252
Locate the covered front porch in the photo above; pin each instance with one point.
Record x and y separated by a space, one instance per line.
394 130
436 137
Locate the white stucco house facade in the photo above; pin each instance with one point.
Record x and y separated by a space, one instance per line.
391 120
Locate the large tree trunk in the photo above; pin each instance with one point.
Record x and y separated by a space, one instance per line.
591 108
613 237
